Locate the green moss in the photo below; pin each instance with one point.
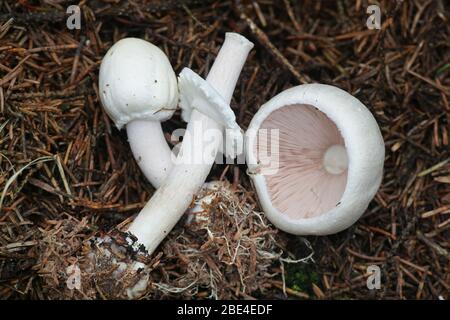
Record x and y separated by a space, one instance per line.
301 276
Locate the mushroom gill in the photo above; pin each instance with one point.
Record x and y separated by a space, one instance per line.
312 161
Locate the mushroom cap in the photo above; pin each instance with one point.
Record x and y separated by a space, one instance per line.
137 82
197 93
299 193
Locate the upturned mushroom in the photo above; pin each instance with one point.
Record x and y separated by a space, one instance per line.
326 165
138 89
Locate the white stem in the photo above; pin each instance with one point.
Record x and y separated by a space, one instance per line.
150 150
335 159
177 191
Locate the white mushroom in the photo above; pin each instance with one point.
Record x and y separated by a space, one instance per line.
176 192
138 88
325 167
127 100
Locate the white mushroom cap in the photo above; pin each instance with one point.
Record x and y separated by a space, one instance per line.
197 93
330 159
137 82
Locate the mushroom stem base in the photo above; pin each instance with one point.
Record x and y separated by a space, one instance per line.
335 159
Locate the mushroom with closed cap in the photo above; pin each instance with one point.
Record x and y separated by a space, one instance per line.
138 89
126 94
326 165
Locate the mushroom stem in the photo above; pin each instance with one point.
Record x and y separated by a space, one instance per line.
335 159
138 88
150 149
177 191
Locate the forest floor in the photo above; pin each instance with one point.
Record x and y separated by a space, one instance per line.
66 173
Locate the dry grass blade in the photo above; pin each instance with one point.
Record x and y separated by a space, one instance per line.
17 174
